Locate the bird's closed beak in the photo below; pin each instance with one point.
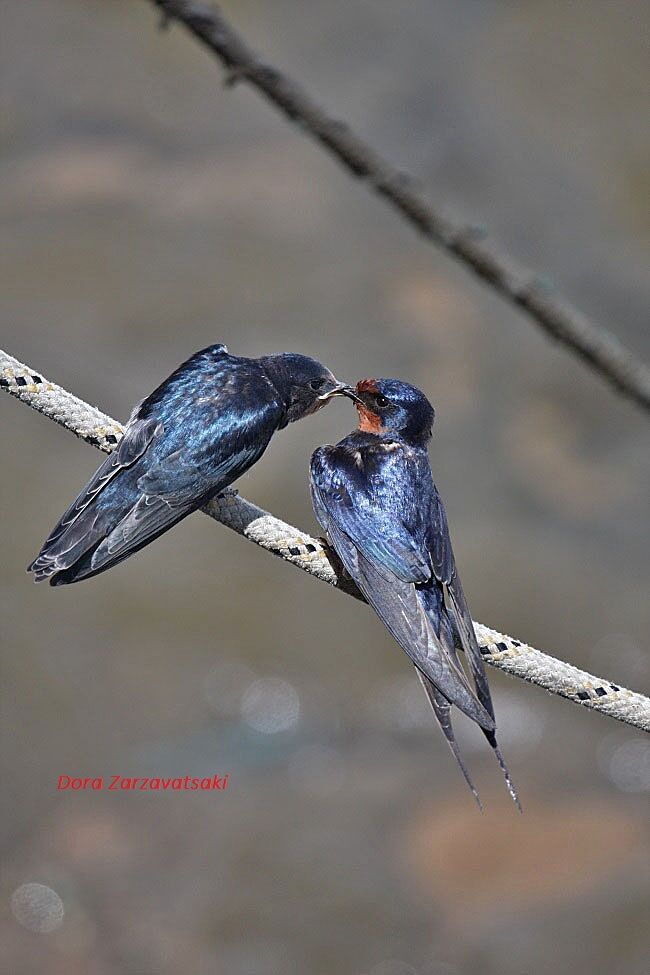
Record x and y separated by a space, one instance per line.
340 389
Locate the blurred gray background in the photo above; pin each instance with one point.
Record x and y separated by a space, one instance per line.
147 212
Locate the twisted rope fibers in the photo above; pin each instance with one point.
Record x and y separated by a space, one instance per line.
307 553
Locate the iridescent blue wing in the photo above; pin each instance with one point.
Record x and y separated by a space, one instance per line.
82 524
444 568
386 563
169 492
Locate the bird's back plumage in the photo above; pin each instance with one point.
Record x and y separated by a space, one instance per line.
195 434
375 497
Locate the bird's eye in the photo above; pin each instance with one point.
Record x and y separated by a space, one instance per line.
382 401
316 384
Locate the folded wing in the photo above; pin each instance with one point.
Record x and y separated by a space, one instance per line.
387 564
176 454
83 524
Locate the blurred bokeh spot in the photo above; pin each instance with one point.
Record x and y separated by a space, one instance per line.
37 907
555 851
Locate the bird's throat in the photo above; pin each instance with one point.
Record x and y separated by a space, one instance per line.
369 422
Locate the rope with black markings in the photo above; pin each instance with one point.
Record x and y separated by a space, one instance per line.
307 553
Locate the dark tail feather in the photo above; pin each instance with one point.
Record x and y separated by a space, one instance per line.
450 634
70 556
491 737
149 518
81 569
71 546
462 635
441 708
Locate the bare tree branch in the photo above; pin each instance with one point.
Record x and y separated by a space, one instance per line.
529 291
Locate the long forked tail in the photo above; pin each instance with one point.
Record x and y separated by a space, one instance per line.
441 709
492 739
461 624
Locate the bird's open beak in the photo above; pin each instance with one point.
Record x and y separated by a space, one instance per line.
352 394
341 389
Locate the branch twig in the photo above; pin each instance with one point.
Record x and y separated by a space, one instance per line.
308 554
603 352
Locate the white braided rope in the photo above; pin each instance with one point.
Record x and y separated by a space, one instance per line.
307 553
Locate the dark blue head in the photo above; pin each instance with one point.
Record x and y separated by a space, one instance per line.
391 406
303 383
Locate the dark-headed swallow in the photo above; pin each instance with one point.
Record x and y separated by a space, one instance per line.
374 495
203 427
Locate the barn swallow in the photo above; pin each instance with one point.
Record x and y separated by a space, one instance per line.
203 427
374 495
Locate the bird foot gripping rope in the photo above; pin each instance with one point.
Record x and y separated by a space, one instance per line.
307 553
